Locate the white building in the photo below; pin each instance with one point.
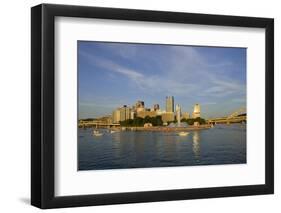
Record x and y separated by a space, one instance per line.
196 111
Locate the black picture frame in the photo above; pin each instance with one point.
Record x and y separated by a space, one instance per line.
43 102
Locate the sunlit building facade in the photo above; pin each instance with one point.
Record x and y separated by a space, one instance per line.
196 111
170 104
139 106
125 113
156 107
171 113
116 116
143 114
185 115
167 117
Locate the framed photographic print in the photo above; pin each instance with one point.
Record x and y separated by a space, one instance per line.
139 106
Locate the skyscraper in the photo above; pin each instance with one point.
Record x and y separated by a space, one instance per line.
156 107
125 113
196 111
116 116
139 106
170 104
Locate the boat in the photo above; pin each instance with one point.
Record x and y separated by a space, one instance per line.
112 131
97 133
183 133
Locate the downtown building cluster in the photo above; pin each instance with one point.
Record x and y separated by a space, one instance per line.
171 112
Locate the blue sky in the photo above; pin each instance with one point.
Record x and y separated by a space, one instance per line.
116 74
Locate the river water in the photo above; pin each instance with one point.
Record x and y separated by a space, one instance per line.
223 144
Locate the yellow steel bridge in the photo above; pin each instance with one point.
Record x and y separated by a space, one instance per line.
236 117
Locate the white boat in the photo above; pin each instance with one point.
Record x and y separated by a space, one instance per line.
112 131
97 133
183 133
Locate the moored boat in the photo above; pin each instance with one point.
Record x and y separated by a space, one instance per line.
183 133
97 133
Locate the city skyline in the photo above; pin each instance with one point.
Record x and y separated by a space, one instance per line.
115 74
139 109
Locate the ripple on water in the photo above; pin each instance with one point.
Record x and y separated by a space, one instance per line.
128 149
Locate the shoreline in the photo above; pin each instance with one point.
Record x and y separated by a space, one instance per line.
163 129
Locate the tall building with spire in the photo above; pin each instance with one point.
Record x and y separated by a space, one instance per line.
170 104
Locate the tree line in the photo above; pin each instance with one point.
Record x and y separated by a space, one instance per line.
139 122
157 121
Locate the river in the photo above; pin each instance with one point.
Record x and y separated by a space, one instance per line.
223 144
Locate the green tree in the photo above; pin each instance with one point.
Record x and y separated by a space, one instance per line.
139 122
190 121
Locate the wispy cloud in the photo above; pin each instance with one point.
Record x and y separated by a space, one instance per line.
180 71
148 83
185 69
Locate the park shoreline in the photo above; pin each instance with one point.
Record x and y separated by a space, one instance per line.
164 128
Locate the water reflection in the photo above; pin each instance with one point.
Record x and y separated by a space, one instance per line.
169 146
196 144
131 149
